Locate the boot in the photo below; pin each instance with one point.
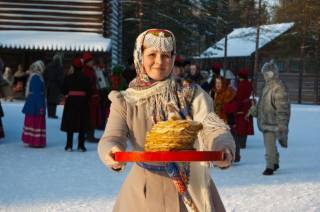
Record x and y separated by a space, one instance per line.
91 138
68 146
52 111
81 147
243 142
268 171
237 159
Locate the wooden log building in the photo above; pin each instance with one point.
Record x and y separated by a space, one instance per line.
37 29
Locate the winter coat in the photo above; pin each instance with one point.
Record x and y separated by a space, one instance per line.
244 126
75 116
1 111
53 76
35 100
273 108
118 82
94 102
223 103
19 82
144 190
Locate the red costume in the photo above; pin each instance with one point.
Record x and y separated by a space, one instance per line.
244 126
95 113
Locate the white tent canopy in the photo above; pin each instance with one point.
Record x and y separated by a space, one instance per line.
57 41
242 41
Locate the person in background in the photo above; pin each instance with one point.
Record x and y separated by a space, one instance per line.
213 74
1 111
224 105
273 115
104 88
129 73
76 116
1 125
134 111
20 80
177 72
5 87
186 67
243 124
94 102
8 76
118 82
195 75
34 130
53 77
223 94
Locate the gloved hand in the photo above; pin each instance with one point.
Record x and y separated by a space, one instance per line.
252 111
114 165
283 136
226 163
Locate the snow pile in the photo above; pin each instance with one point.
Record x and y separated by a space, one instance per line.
51 179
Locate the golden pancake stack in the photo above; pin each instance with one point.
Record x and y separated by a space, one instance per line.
172 135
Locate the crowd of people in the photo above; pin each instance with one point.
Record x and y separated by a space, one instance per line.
83 90
221 100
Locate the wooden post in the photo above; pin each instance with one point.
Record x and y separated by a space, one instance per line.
225 58
226 27
256 54
302 52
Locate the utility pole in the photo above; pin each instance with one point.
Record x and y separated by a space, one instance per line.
226 27
256 54
318 71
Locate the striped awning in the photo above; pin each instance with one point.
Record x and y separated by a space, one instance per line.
51 40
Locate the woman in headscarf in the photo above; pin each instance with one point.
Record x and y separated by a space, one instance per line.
8 77
150 187
223 94
34 130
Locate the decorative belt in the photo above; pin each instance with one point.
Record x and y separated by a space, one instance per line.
152 167
179 174
76 93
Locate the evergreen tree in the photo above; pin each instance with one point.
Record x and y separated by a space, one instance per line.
306 16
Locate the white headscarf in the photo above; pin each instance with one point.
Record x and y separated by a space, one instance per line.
161 39
36 68
270 71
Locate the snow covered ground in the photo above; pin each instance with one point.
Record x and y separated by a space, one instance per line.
51 179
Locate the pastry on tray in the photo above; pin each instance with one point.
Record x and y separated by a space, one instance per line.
172 135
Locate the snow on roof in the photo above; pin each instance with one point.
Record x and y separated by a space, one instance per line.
61 41
242 41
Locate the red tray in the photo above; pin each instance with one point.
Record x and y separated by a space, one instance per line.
169 156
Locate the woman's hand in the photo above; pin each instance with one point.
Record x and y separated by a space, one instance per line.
111 162
226 163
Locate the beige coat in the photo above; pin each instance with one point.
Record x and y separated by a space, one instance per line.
273 107
148 191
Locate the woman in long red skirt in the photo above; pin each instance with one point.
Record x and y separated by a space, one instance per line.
34 130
